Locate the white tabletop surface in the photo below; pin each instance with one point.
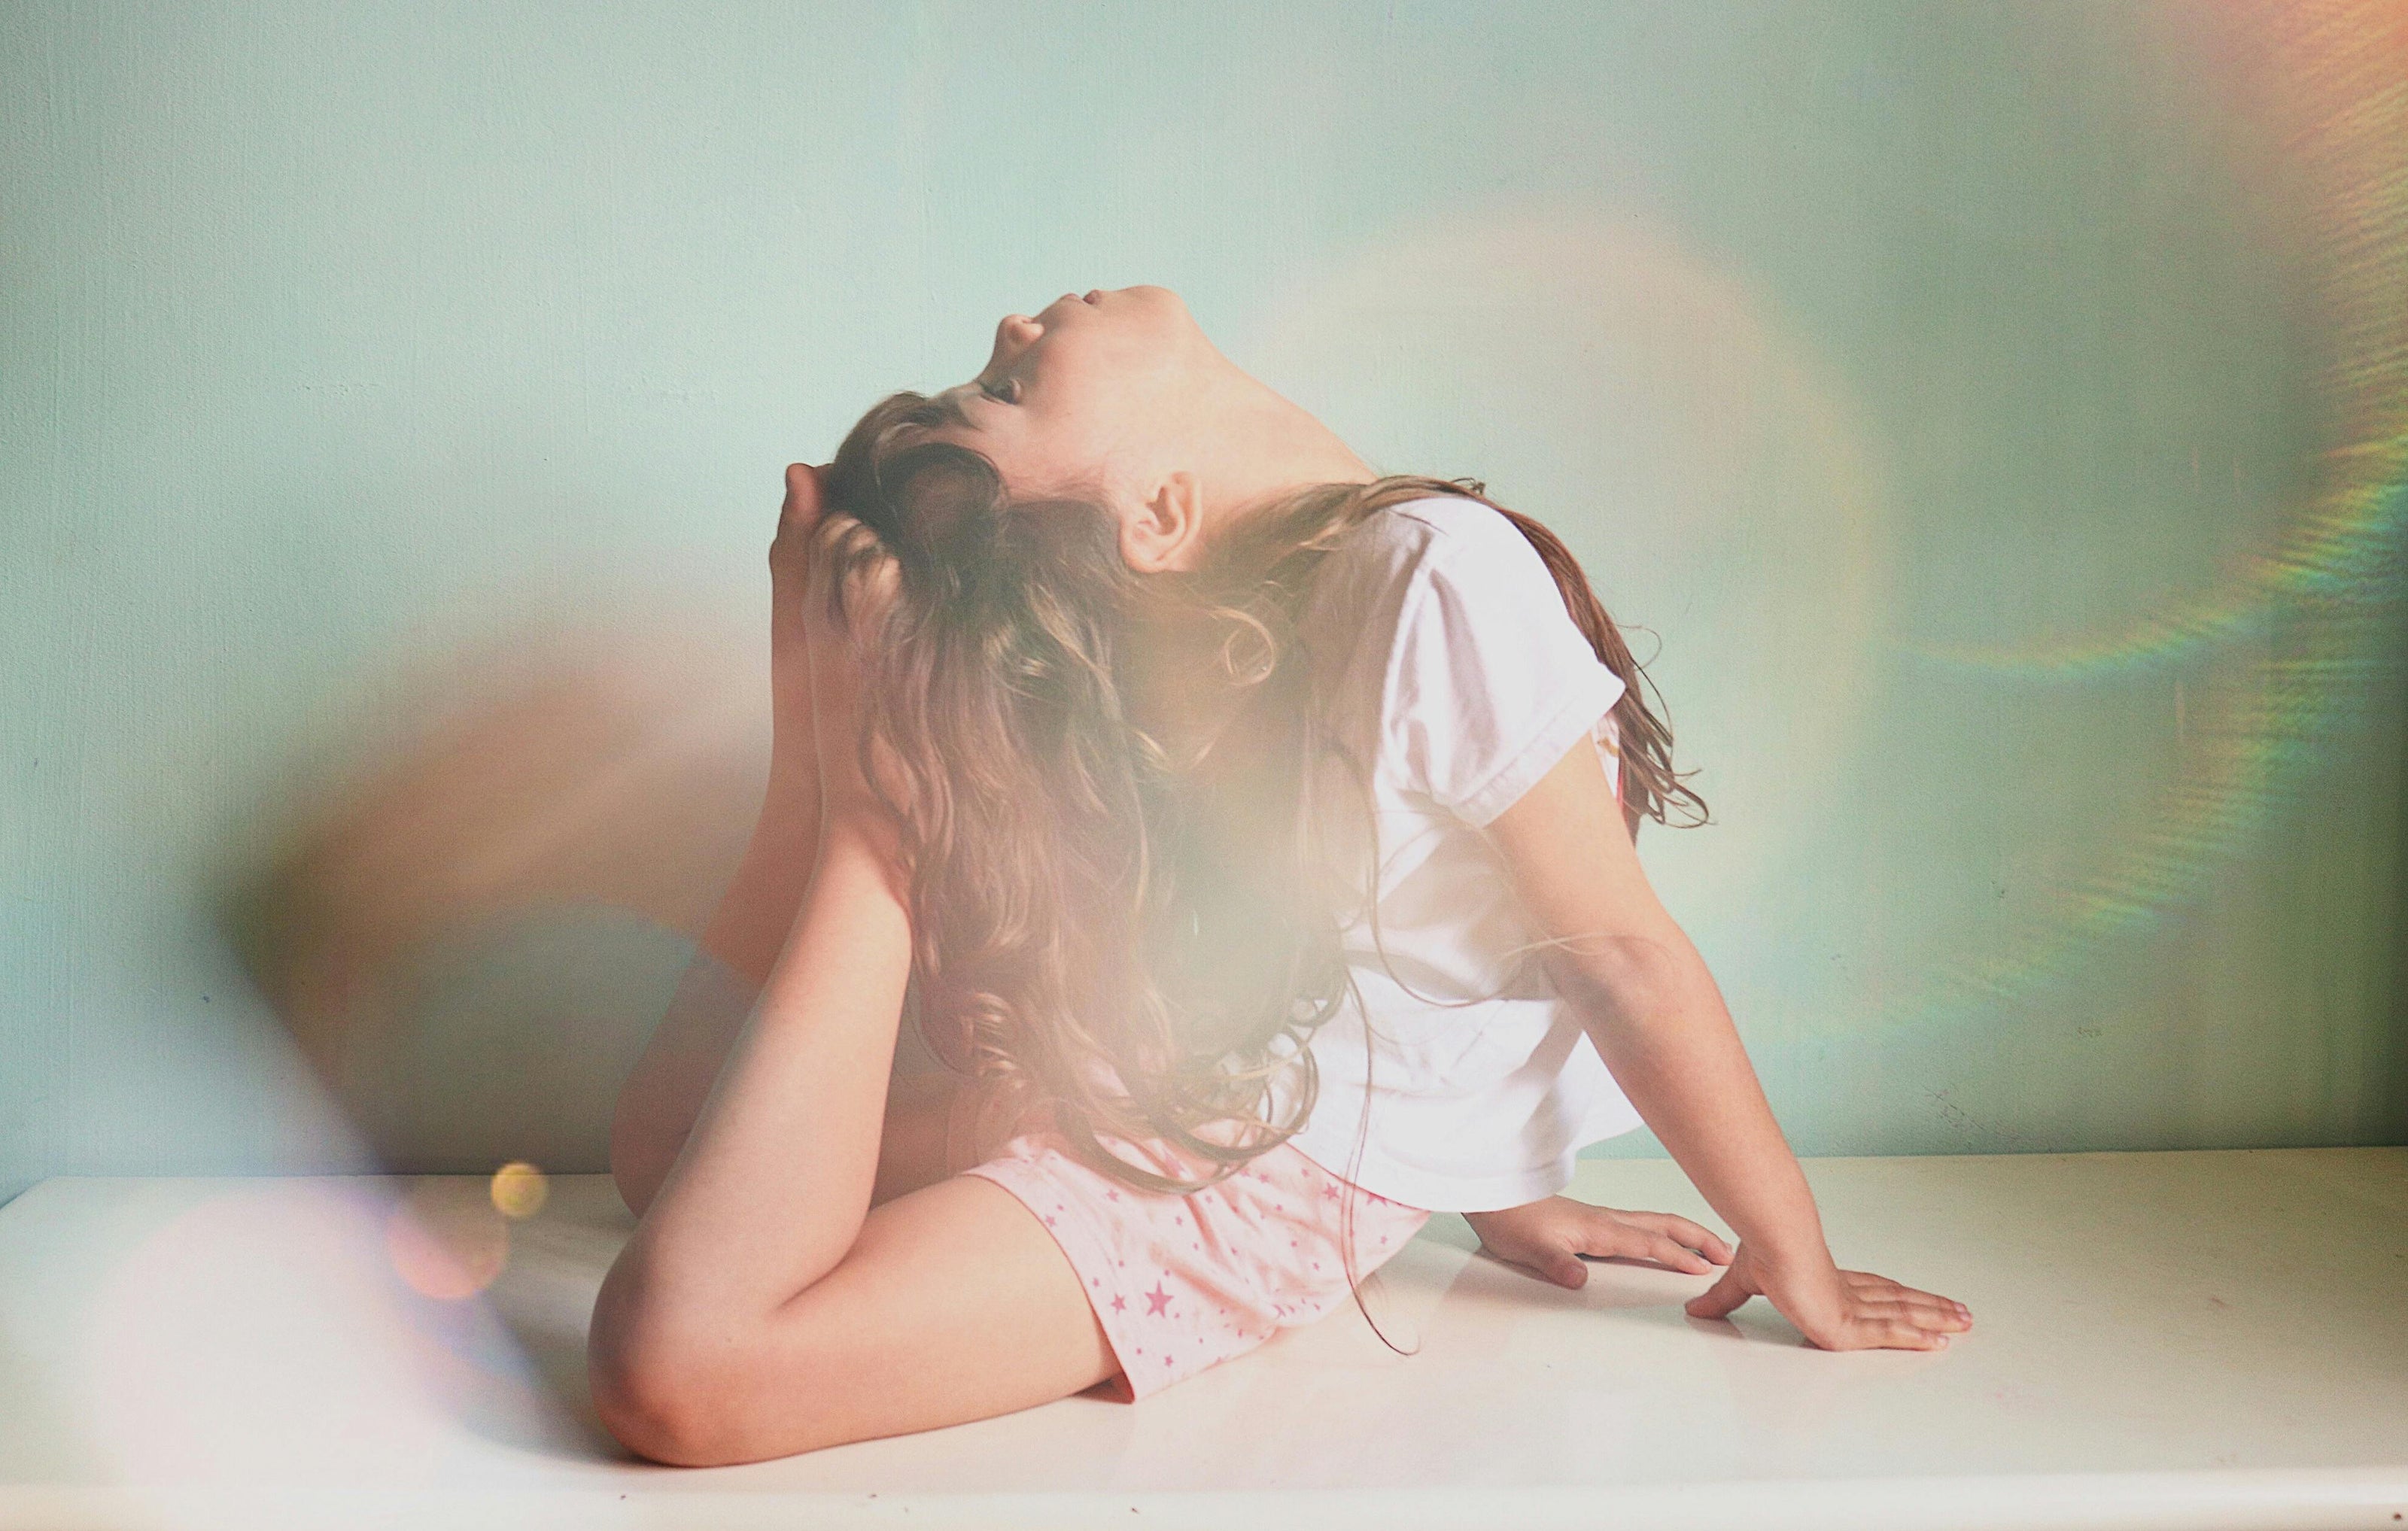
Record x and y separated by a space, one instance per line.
2189 1340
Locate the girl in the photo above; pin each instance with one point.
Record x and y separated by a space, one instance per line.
1241 823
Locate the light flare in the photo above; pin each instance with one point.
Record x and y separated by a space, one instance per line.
446 1240
2326 600
519 1191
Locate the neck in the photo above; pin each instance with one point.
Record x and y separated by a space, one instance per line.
1259 450
1268 450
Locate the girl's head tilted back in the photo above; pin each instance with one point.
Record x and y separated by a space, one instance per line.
1097 722
1118 400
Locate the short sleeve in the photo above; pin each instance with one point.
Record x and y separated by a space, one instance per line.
1489 682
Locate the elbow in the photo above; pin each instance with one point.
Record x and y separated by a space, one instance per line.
693 1378
653 1387
652 1411
663 1413
1622 981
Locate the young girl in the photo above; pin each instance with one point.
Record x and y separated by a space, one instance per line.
1254 836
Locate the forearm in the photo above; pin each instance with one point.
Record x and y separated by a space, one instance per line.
775 1176
1646 1000
757 913
657 1104
1657 1018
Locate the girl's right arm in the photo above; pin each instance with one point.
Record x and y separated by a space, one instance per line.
1658 1021
665 1091
773 1177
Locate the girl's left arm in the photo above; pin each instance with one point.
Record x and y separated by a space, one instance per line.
1658 1019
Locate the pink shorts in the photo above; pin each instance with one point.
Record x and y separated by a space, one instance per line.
1184 1282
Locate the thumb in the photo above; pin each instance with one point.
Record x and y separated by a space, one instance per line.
1561 1267
1722 1299
801 511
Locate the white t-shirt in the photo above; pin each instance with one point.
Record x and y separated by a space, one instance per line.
1444 662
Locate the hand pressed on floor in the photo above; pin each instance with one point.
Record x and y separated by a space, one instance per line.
1837 1309
1549 1236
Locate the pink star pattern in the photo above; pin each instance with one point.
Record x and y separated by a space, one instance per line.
1244 1275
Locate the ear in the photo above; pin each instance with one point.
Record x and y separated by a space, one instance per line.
1166 532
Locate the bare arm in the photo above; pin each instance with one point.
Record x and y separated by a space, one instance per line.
772 1183
1658 1019
664 1093
775 1175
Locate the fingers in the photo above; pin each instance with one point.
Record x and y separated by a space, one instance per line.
801 510
870 590
1561 1267
1551 1238
1865 1329
1938 1317
1688 1235
1667 1252
860 575
1546 1259
1658 1237
835 565
1723 1298
1896 1335
1883 1314
1928 1308
844 548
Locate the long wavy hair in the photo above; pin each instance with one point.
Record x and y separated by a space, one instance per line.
1120 909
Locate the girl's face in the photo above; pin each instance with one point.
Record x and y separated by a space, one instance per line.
1091 398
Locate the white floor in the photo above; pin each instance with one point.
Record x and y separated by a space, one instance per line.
2188 1340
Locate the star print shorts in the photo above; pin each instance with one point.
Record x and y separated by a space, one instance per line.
1185 1283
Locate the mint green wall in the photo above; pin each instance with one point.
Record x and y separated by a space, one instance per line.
1865 353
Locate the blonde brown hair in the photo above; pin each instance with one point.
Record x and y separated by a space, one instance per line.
1118 917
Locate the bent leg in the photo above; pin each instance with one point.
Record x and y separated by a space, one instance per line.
955 1303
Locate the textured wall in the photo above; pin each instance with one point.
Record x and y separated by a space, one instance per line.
1984 407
